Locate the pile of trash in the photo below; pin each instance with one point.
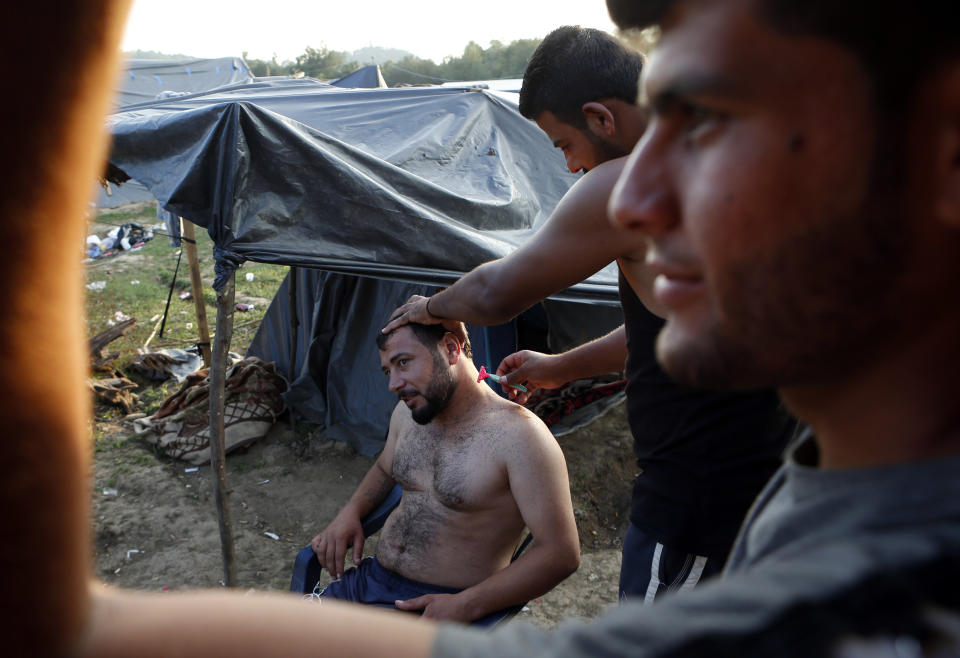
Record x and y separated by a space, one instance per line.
123 238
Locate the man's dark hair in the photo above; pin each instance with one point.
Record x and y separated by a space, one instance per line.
429 335
575 65
898 43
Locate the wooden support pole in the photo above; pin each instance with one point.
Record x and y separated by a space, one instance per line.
294 323
294 326
218 379
196 289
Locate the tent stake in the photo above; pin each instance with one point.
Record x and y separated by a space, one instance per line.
196 289
218 377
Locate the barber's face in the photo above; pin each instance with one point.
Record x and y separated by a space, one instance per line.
582 150
755 184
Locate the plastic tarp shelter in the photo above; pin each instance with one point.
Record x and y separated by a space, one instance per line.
505 84
143 80
368 77
384 192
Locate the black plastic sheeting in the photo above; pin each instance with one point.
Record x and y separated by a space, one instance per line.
120 195
414 184
334 372
335 379
374 194
143 80
368 77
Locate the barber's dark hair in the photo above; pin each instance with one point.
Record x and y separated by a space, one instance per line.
898 43
429 335
575 65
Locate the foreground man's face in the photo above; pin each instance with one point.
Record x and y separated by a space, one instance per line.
751 184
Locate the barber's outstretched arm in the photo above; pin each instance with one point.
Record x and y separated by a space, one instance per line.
540 485
346 529
537 370
574 243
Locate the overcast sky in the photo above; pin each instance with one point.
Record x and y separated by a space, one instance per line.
431 29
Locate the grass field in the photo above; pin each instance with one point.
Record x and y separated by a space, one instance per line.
137 283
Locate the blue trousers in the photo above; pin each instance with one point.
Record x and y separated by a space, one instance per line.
649 569
372 584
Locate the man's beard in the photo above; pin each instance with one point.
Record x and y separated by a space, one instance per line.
604 151
437 396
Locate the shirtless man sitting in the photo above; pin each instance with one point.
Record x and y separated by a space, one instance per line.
475 469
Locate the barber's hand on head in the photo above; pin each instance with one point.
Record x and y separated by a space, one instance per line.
447 607
532 369
331 545
415 310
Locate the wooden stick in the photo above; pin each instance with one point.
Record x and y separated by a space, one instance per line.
153 333
107 336
294 337
196 287
294 323
218 380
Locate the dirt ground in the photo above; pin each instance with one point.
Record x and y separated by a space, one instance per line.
156 525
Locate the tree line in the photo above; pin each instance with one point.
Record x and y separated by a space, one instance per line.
498 61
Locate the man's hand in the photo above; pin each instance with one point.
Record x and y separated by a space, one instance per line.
331 544
447 607
532 369
415 310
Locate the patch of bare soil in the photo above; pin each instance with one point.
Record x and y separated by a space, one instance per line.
156 526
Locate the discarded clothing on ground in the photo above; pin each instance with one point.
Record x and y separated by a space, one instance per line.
117 391
576 403
164 364
181 427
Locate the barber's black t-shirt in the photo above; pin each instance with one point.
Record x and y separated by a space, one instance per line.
703 456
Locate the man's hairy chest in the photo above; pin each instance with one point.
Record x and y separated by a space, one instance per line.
462 471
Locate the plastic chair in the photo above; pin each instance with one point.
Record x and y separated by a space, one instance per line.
306 567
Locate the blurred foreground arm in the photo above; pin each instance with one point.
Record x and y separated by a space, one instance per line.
51 608
217 623
55 134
